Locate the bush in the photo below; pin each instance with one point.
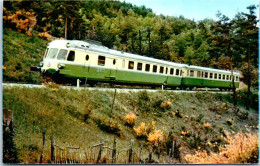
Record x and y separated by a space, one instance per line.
109 126
242 148
155 137
130 118
140 131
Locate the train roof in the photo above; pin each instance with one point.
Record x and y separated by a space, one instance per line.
77 44
211 70
105 50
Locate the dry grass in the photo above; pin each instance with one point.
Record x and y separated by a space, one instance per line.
242 148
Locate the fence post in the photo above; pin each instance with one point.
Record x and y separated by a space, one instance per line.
173 146
140 152
43 144
113 101
150 154
131 151
52 150
114 152
158 146
100 151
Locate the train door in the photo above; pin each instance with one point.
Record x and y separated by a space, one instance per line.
111 68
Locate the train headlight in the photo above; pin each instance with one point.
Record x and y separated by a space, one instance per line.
41 64
61 66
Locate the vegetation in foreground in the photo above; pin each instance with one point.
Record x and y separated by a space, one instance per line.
201 124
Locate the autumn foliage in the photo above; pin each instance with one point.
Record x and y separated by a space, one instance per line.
24 21
242 148
130 118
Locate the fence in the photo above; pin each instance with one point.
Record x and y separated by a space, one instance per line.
102 153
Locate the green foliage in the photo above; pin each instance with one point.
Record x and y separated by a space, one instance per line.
19 53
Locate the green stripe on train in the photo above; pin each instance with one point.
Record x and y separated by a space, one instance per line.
207 83
120 76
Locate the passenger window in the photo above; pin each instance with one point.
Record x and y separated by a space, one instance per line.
161 69
237 78
166 70
154 68
223 77
180 72
210 75
71 56
192 73
114 62
177 72
215 76
52 53
219 76
202 74
227 78
198 73
147 67
206 74
62 54
87 57
139 66
131 65
101 60
171 71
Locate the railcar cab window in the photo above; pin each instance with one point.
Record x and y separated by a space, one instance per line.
147 67
139 66
62 54
131 65
52 53
171 71
71 56
236 78
161 69
154 68
101 60
46 52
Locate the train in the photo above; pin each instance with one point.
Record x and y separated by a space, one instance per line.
93 63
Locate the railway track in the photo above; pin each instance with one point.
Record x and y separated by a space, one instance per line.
119 89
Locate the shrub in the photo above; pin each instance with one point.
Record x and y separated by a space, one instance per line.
140 131
143 131
109 126
155 137
130 118
242 148
166 104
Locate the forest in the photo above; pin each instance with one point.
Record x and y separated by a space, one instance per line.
127 27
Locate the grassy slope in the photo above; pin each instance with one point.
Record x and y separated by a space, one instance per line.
61 113
19 53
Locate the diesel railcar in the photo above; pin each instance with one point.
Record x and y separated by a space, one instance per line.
91 63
